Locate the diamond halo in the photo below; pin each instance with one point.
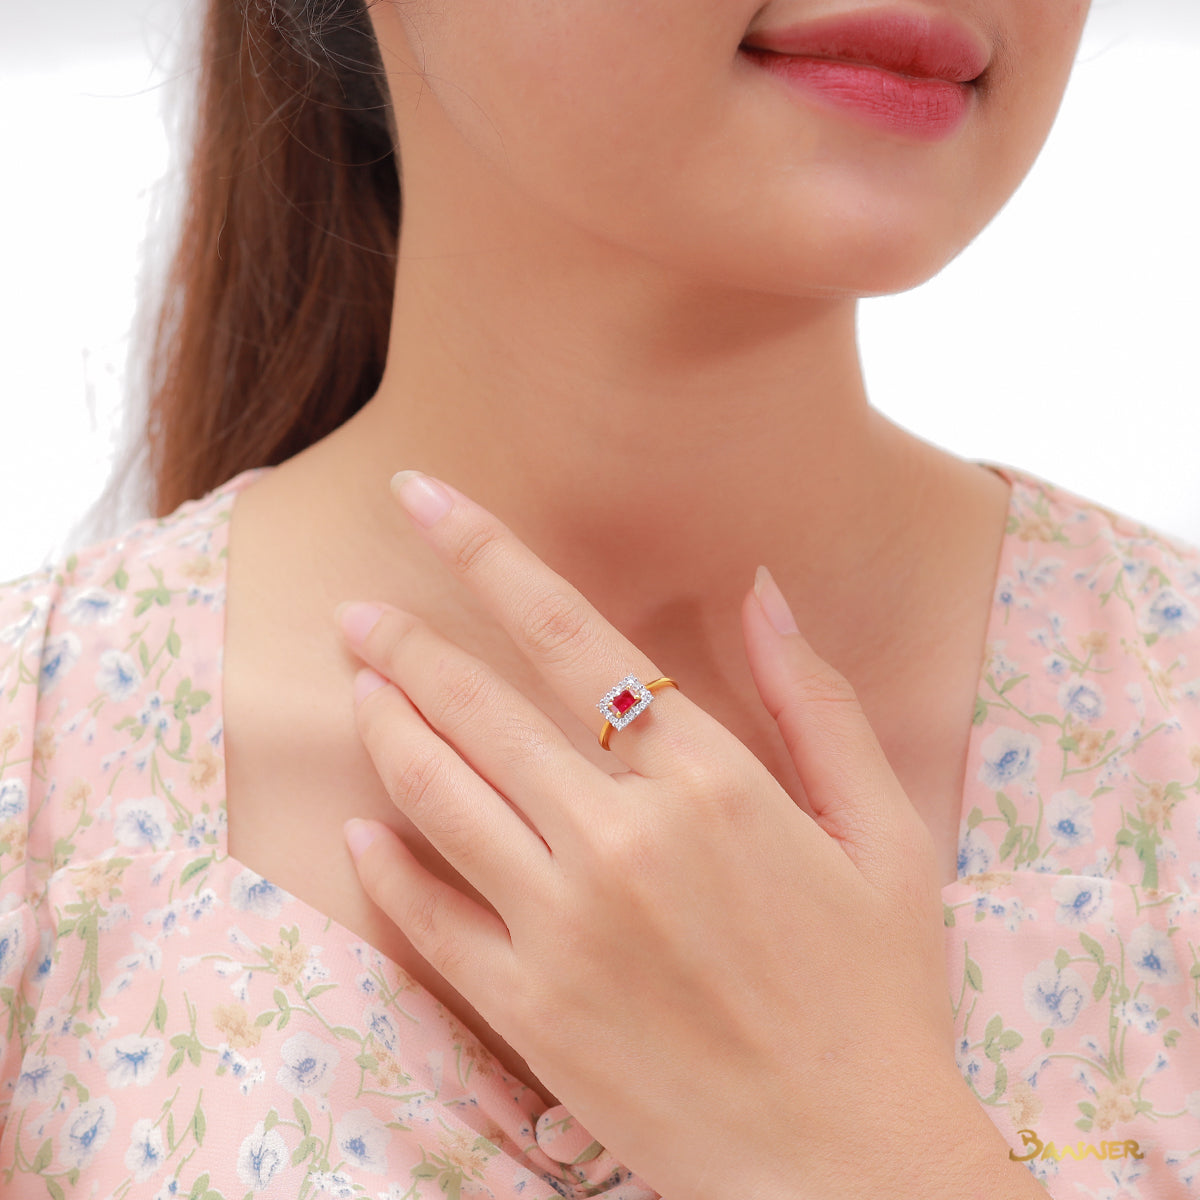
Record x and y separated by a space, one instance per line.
625 701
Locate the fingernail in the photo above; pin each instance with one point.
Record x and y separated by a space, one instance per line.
359 835
356 620
773 604
366 682
424 499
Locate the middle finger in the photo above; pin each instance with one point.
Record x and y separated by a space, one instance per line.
493 727
578 652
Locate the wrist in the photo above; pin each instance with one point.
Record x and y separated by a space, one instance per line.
943 1146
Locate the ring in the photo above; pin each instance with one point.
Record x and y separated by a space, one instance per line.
626 700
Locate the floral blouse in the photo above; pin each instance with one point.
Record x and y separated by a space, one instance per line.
174 1025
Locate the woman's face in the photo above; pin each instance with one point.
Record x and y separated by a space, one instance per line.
648 125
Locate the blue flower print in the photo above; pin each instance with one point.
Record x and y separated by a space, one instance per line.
12 799
1069 819
131 1059
975 854
337 1184
39 1080
1054 997
11 940
154 715
308 1065
1009 756
1170 614
1081 700
1152 955
142 823
146 1152
118 676
1082 899
93 606
363 1138
87 1129
262 1156
382 1026
59 655
251 893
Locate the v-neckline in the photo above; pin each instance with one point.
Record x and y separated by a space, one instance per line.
230 491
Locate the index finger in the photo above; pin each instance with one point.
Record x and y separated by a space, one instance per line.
579 654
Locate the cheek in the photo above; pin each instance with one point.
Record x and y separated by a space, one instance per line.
564 95
1036 51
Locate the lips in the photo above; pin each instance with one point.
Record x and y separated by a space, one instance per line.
920 47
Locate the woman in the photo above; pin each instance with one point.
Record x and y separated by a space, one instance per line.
899 903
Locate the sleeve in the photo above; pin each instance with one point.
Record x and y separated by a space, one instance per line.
25 606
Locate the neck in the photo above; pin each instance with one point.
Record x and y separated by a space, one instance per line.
652 438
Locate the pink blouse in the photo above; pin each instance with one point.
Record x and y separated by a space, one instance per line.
173 1024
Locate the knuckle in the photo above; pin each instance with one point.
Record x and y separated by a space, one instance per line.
558 626
476 549
415 780
425 926
424 918
390 633
523 744
465 697
828 686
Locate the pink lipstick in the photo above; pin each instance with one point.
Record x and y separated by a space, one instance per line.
892 70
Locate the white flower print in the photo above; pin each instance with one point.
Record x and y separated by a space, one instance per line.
1054 997
247 1072
93 606
308 1065
12 799
1140 1014
146 1152
1082 899
87 1129
12 634
333 1183
382 1025
39 1080
1170 614
1009 756
250 892
262 1156
131 1059
11 941
1069 818
1152 955
142 823
975 854
154 715
363 1139
1081 699
118 676
59 656
149 954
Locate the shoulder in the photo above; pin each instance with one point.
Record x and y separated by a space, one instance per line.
101 656
1081 559
1089 699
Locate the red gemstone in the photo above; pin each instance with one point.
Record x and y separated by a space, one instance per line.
625 701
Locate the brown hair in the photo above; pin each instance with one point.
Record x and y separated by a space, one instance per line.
272 327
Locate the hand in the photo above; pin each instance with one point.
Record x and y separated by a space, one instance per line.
718 984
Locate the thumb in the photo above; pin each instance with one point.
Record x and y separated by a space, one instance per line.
852 789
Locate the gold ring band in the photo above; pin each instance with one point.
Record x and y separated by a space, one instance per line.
627 700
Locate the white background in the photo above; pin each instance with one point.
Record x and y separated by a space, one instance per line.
1063 341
